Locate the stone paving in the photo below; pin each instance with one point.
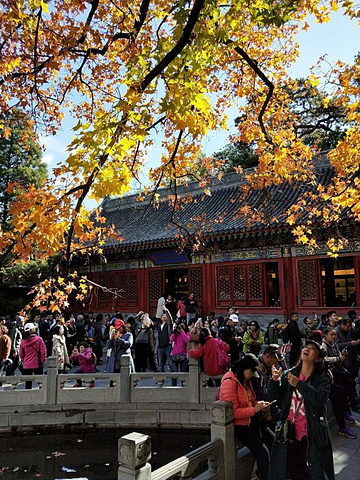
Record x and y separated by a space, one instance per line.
346 454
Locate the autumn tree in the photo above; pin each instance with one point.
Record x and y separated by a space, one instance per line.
321 122
133 69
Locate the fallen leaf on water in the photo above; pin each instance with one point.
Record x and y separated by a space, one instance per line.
58 454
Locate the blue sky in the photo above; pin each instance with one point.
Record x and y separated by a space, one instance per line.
339 40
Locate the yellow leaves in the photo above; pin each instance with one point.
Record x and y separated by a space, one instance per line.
314 81
7 132
44 7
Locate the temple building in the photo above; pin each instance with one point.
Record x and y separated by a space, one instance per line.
255 267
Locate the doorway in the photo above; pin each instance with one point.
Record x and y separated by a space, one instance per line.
176 282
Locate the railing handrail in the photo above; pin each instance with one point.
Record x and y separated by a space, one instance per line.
186 464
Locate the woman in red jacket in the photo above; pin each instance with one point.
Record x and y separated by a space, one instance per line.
236 387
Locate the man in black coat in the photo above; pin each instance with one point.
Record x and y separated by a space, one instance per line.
294 336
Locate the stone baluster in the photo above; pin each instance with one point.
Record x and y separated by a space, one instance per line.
51 381
134 453
125 370
194 381
222 427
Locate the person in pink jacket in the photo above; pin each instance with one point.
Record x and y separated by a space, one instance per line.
32 353
179 355
236 387
85 358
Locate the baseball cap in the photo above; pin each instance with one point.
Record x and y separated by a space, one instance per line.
234 318
118 323
321 350
29 326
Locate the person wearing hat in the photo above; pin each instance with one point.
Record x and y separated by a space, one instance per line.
236 387
229 336
302 444
32 353
120 343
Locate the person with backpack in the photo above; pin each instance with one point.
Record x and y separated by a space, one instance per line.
236 387
207 351
272 334
86 359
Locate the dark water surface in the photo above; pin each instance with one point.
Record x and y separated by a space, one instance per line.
86 455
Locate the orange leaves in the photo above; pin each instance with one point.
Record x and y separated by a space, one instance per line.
53 293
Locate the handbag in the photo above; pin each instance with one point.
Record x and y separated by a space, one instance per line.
178 357
285 430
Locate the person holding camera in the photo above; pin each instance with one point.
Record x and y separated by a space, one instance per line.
179 339
120 343
302 443
164 331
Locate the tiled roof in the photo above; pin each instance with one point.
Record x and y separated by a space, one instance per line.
142 225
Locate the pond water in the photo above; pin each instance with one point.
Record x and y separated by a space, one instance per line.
85 455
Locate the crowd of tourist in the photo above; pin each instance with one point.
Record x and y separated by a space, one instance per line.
278 378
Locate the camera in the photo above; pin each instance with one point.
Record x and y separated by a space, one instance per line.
176 329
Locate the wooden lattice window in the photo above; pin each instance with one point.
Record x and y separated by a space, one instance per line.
123 289
155 285
239 282
103 281
255 282
308 282
224 284
195 282
240 285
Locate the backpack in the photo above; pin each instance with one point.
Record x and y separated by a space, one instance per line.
223 358
91 334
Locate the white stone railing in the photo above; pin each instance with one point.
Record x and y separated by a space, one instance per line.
126 388
149 398
135 453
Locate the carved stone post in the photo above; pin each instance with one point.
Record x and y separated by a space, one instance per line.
51 381
194 381
134 453
222 427
125 379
